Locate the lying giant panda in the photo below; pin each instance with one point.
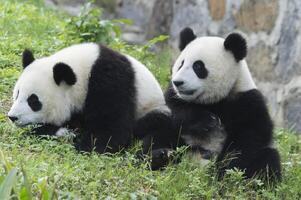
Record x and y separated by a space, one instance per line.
88 87
217 108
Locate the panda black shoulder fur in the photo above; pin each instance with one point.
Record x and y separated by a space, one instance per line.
87 86
211 82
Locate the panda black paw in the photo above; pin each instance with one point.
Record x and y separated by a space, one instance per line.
81 146
45 130
204 126
160 158
209 123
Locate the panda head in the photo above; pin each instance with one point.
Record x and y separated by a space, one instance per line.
208 67
40 95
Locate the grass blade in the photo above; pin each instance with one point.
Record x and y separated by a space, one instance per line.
27 185
7 184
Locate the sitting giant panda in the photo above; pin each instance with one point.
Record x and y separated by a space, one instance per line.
88 87
216 106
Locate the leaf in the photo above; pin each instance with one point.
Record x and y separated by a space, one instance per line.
43 187
7 184
155 40
117 30
123 21
26 193
6 164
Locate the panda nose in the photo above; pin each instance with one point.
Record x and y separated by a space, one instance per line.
13 118
178 83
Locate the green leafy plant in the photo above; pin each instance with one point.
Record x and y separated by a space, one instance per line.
88 26
7 184
10 189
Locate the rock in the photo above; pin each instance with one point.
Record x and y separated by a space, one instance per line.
292 105
272 27
260 63
159 23
71 7
190 13
133 38
274 95
217 9
132 28
255 15
137 10
289 52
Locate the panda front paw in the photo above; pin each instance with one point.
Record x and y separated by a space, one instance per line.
203 126
81 146
208 123
52 130
64 132
160 158
45 130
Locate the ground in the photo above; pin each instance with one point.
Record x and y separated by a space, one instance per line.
50 168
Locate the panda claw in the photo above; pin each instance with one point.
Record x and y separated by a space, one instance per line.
219 122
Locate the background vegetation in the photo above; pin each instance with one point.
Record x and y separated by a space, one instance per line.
50 168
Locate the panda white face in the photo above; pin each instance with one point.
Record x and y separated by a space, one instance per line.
28 106
207 69
48 90
35 97
204 71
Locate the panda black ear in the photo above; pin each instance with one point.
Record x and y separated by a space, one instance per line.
63 72
237 45
186 36
27 58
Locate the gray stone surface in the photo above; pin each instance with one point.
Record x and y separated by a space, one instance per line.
292 104
137 10
272 28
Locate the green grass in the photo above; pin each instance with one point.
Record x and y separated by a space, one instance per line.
50 168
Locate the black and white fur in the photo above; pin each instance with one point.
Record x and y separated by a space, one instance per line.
211 79
88 87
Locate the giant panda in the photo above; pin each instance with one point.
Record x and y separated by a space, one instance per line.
216 106
87 87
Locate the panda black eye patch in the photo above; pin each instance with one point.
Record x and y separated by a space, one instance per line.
182 63
200 69
34 102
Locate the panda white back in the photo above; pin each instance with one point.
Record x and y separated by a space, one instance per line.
149 94
244 81
80 58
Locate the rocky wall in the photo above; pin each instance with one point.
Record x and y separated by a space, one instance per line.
272 28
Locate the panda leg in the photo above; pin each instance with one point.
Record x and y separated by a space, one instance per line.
106 130
266 163
109 136
156 130
45 130
153 122
158 137
109 112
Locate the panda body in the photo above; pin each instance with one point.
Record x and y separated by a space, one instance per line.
216 106
86 86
